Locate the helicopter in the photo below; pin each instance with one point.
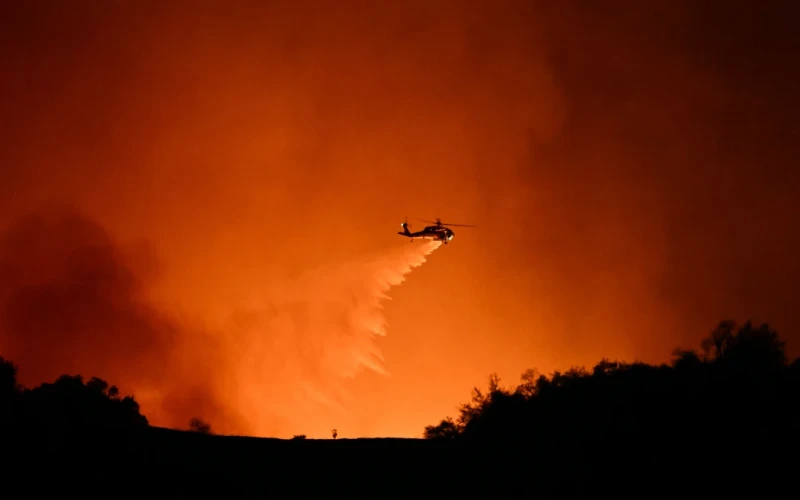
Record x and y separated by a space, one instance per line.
439 232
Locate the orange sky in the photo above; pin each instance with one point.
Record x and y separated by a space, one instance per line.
632 172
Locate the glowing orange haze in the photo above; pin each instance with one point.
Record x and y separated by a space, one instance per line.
240 172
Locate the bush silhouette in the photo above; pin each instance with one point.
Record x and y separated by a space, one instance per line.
9 392
727 395
200 426
736 397
8 378
69 405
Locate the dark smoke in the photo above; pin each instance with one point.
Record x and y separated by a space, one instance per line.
72 301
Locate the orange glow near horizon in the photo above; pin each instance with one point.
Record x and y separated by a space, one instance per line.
220 188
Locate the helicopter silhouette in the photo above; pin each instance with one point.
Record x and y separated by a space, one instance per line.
439 232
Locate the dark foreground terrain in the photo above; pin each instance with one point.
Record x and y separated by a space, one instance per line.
182 464
724 421
175 462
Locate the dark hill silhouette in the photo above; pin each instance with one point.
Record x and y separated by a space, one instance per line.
735 400
723 419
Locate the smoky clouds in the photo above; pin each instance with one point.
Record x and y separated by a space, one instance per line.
631 166
73 300
71 303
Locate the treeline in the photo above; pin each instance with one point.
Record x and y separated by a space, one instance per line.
738 392
68 406
714 419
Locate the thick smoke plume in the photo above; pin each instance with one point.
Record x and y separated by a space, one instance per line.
636 163
72 300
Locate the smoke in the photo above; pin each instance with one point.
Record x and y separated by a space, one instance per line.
72 300
636 163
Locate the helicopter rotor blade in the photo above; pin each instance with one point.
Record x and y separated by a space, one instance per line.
447 224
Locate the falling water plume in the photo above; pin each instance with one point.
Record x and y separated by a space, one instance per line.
316 332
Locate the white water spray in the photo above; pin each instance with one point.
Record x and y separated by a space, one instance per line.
313 334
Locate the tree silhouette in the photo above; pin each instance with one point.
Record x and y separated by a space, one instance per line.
446 429
9 391
707 411
69 405
727 396
200 426
8 377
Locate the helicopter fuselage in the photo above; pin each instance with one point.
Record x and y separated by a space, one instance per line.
436 233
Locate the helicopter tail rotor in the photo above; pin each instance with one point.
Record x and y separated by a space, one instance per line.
405 227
